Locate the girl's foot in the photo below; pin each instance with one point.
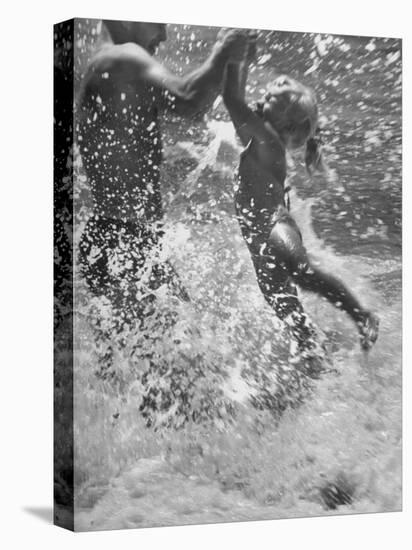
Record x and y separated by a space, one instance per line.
308 347
368 330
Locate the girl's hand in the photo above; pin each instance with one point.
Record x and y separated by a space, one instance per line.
234 42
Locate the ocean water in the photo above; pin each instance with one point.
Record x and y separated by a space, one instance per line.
219 449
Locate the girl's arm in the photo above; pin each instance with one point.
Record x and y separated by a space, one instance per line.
238 85
246 122
266 143
244 65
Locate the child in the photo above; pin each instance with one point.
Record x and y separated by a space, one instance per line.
285 118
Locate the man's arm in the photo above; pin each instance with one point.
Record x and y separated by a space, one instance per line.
187 94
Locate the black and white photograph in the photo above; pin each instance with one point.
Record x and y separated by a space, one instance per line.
205 284
227 274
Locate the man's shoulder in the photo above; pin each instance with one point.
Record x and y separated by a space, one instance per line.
111 74
110 55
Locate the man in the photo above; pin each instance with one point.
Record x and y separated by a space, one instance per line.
123 93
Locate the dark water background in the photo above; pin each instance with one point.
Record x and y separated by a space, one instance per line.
346 438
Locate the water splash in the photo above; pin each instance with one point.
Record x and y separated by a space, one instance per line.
240 459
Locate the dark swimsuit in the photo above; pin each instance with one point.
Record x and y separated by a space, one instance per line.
113 252
256 225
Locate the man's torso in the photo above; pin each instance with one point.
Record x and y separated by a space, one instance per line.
120 144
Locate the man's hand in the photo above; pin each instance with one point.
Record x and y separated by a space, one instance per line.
234 43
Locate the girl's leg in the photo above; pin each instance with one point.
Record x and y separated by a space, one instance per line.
280 293
276 286
333 289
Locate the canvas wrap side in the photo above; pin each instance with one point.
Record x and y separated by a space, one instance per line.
63 274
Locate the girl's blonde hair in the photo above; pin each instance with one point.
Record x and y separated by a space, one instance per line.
295 108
